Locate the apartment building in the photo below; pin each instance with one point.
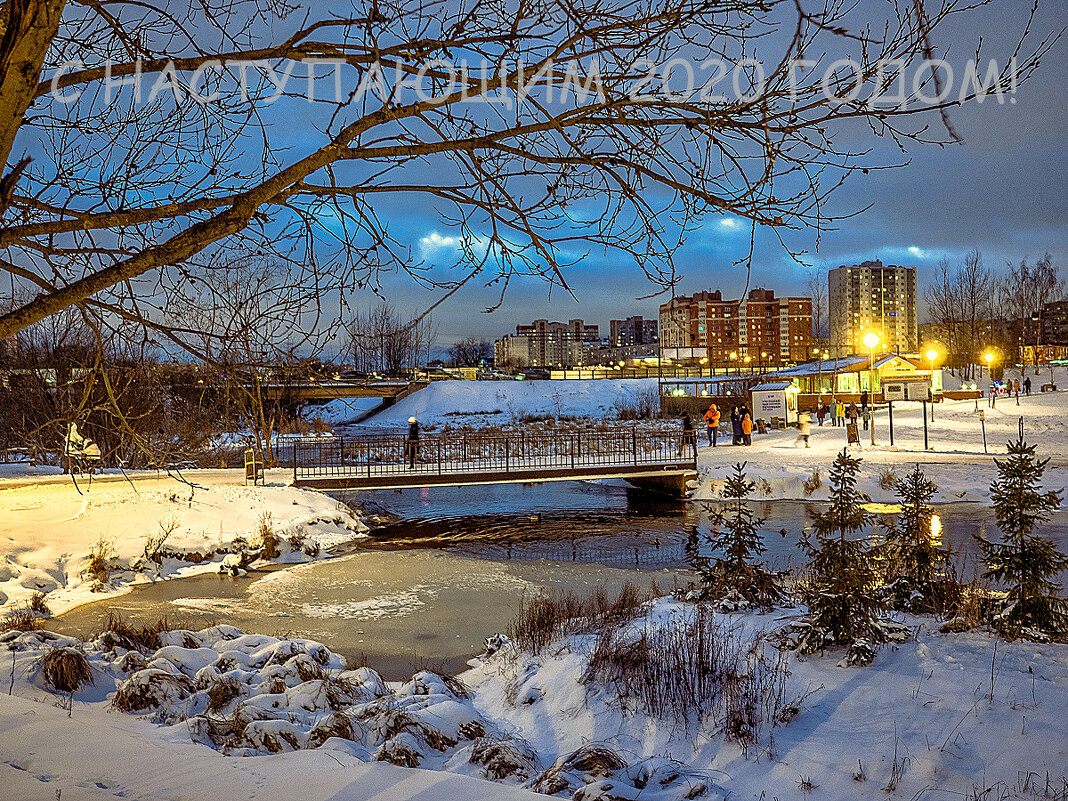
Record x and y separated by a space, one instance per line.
761 326
632 331
546 344
872 297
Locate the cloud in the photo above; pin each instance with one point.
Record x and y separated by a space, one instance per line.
433 243
729 223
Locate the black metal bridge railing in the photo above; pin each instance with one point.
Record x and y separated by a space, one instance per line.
386 455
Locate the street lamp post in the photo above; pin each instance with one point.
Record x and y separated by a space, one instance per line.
931 355
871 340
989 357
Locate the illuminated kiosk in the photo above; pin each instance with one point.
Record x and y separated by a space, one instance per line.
775 399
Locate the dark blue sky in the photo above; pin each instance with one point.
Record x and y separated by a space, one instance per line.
1003 191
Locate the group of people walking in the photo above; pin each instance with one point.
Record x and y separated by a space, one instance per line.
839 412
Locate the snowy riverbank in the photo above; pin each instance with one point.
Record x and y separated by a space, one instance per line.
49 527
941 715
955 460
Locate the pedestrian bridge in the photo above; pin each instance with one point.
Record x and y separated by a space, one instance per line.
655 460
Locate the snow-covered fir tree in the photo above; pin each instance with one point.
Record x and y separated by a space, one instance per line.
840 592
736 575
1025 562
911 559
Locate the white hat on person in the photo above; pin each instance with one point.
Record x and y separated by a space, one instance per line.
411 419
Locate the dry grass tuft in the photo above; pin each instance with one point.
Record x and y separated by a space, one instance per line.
66 669
99 563
543 618
456 687
267 538
118 633
222 692
813 482
506 758
333 725
134 696
20 618
694 666
39 606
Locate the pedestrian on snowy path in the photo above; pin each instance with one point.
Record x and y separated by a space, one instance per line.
736 426
866 416
747 430
1027 386
411 443
712 422
852 414
804 427
864 402
821 412
839 413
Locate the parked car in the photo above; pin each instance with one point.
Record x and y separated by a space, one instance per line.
535 374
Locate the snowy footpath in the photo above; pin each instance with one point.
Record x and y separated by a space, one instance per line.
151 529
221 714
954 460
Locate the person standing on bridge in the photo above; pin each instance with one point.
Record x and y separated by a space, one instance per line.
712 422
411 444
689 436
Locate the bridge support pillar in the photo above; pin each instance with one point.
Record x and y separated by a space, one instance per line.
673 484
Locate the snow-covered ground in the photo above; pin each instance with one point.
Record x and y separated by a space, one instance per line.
487 403
955 459
48 526
939 716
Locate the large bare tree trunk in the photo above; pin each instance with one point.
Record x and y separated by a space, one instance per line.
29 26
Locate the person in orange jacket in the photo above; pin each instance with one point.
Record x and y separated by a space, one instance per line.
747 430
712 421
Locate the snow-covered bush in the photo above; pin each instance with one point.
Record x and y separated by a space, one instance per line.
153 689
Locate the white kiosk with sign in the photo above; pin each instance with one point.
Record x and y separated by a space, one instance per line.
777 399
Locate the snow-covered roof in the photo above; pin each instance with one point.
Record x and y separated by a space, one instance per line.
842 365
773 386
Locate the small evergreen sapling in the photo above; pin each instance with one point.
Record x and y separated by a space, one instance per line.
1025 562
737 572
913 559
843 608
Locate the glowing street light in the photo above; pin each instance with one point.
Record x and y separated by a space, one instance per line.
990 357
932 356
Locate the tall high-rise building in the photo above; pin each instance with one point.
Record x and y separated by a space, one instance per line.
760 326
872 297
632 331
